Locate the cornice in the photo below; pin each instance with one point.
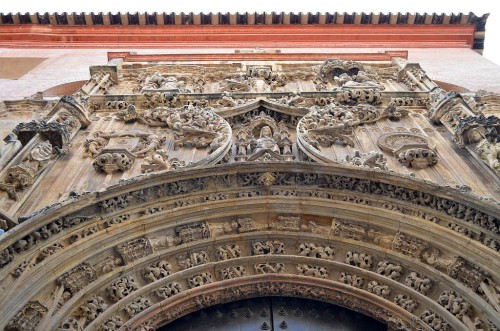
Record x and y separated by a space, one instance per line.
239 30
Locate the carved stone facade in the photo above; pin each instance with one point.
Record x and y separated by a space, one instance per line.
159 190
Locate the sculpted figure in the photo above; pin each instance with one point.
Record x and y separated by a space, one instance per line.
380 239
9 150
433 259
266 141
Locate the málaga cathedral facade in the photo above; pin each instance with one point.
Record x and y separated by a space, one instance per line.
243 188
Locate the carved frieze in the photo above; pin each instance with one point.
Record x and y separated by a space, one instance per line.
408 245
28 317
466 273
348 230
134 249
286 223
192 232
78 277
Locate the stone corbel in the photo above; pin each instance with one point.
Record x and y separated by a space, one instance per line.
448 109
415 78
102 77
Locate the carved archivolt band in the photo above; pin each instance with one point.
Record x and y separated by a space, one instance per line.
178 231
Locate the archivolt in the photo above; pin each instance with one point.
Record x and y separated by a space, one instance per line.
169 232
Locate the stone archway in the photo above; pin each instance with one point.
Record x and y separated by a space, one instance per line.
374 242
275 313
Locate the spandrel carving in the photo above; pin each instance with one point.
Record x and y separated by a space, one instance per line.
195 127
117 151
